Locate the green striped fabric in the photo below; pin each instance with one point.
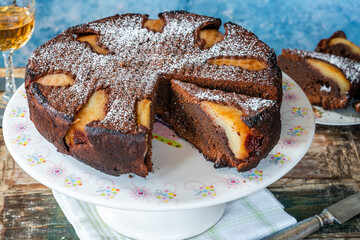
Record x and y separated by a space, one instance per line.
252 217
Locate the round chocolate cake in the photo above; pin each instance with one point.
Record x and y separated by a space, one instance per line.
93 90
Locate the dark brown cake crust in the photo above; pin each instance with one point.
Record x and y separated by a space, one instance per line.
138 65
51 124
319 89
339 49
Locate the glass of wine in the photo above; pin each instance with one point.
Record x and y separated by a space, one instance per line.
17 21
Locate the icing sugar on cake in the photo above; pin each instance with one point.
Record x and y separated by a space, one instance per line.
128 69
325 88
250 105
145 55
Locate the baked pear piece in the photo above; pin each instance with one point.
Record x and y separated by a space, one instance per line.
231 130
327 80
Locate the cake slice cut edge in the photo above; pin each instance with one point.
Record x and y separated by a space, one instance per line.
331 72
231 130
229 119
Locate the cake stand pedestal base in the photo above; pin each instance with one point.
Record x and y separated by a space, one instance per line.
162 225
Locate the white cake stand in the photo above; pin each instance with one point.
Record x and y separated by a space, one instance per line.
183 197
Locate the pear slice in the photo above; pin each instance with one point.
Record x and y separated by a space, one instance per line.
143 116
155 25
331 72
93 110
57 80
248 64
354 48
210 36
143 112
92 40
229 119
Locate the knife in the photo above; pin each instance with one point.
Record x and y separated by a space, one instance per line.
339 212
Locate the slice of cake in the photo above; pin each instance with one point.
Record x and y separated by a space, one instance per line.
338 45
327 80
231 130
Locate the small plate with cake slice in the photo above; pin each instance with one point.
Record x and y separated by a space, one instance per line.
330 77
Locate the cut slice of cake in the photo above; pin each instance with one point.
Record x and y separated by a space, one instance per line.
338 45
327 80
231 130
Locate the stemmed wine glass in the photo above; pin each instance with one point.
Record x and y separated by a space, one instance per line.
17 21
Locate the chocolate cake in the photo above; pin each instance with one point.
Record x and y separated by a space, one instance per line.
327 80
230 129
338 45
93 89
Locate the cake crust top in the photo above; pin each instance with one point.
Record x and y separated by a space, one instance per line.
137 58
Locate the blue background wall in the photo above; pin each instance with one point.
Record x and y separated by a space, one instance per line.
279 23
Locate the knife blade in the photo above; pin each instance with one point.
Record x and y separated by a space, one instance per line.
346 208
339 212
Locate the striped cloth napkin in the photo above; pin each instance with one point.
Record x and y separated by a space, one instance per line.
252 217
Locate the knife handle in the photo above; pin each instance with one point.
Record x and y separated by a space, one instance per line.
303 228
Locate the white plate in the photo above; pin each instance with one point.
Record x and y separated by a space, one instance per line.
182 178
337 117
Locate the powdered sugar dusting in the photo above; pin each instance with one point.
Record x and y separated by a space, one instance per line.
246 103
325 88
138 57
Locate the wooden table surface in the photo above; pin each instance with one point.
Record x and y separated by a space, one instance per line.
329 172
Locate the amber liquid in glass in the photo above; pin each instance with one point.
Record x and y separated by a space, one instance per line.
16 27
